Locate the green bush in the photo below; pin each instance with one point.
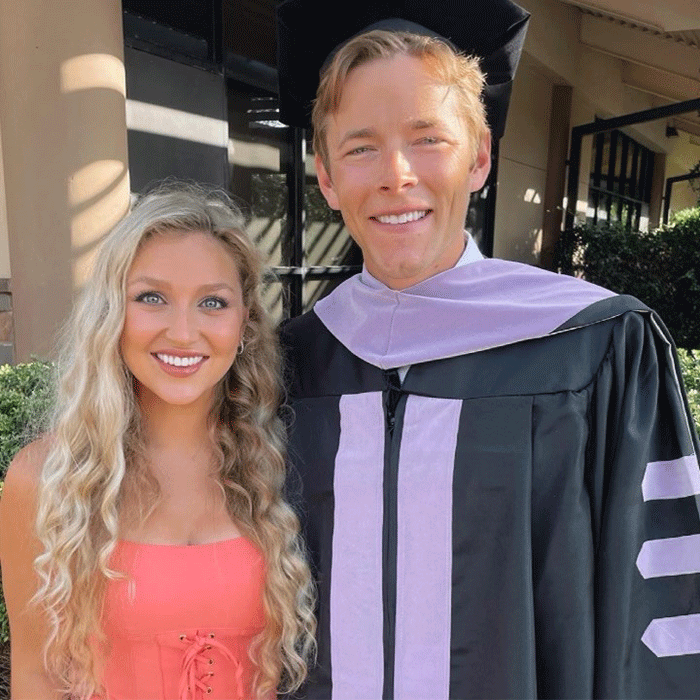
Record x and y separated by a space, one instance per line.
4 622
690 367
682 240
661 267
24 397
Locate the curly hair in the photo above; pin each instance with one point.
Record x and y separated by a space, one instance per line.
449 68
96 454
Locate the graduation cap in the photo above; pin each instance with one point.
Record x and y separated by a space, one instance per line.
491 30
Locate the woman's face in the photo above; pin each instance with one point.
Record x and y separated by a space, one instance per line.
184 318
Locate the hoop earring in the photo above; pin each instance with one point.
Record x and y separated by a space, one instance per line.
241 347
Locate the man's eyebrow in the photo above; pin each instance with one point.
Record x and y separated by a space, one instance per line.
368 132
356 134
425 124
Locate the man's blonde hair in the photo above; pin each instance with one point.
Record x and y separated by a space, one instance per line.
450 68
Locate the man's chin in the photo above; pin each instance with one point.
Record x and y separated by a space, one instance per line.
399 279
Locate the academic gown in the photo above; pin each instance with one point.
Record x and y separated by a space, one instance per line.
520 517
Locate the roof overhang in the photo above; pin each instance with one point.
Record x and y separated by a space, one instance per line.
666 16
658 44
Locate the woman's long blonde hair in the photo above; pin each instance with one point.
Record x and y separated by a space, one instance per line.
95 454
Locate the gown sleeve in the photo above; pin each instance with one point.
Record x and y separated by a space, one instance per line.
643 482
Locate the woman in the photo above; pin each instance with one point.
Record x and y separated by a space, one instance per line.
162 561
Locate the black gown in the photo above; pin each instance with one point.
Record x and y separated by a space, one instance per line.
519 521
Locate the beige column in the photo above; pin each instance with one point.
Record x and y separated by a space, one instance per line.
560 126
63 127
658 185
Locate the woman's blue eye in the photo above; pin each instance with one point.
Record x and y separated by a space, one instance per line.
214 303
149 298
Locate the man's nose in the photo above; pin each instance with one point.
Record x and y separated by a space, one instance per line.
397 171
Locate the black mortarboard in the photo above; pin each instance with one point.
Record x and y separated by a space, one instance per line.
492 30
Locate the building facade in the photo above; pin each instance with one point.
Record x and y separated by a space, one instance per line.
101 98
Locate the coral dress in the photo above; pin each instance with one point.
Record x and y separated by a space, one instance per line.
179 627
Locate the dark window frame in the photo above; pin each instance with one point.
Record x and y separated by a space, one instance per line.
619 185
178 36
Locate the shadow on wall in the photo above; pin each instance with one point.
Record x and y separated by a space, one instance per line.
519 221
526 248
64 153
177 121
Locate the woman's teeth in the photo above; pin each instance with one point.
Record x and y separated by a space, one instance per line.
179 361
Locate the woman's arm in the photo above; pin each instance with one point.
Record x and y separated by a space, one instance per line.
18 548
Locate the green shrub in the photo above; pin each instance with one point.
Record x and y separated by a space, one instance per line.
690 367
4 622
661 267
682 240
24 397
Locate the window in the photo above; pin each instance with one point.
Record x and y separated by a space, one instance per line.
620 182
304 242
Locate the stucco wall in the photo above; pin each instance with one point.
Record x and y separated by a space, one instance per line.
522 168
553 37
683 155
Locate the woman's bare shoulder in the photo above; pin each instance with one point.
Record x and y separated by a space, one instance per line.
19 500
23 474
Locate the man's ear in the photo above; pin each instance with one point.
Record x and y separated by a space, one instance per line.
326 184
482 164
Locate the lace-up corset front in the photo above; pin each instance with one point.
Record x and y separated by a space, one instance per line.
181 623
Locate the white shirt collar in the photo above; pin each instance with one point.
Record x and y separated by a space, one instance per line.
471 252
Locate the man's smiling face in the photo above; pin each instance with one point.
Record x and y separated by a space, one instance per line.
401 166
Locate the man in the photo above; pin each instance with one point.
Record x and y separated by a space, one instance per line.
497 464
